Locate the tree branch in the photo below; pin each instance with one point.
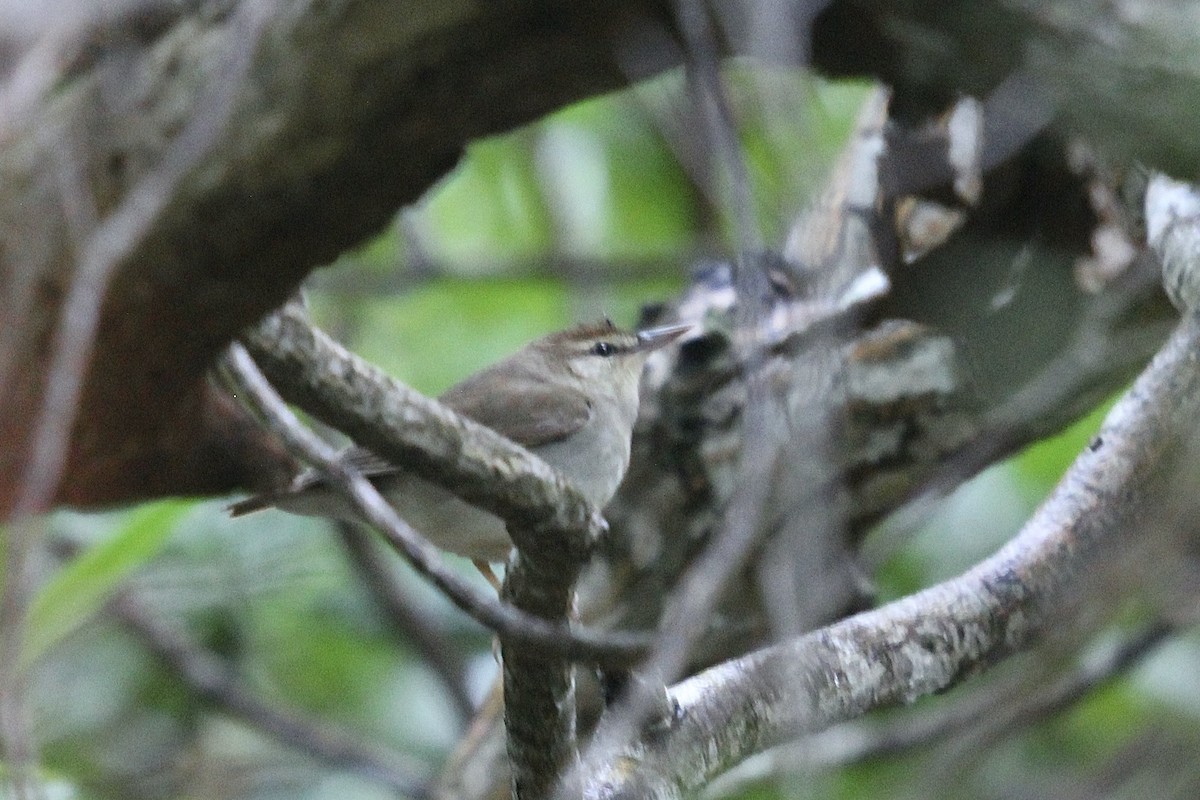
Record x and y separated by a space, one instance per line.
402 611
970 725
408 428
932 640
255 216
539 689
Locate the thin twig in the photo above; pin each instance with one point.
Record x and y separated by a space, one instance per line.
212 680
401 612
702 585
687 618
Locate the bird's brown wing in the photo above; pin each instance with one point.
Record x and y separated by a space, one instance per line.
519 406
512 402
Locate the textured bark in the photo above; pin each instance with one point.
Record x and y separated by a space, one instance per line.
539 690
351 110
932 640
330 139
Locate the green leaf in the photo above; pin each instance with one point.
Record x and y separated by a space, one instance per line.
1044 462
82 587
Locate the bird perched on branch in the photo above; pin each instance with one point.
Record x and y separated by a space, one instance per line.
571 398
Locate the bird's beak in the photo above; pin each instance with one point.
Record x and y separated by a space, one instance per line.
654 338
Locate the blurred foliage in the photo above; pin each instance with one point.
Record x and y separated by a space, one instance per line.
597 210
79 590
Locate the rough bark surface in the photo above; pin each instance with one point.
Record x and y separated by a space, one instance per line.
351 111
356 108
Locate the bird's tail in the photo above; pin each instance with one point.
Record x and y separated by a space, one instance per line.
251 504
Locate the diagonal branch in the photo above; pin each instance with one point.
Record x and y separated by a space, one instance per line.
970 725
929 641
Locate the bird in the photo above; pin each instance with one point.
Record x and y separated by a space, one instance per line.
570 397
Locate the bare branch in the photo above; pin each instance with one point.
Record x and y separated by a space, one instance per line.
863 740
539 689
931 640
408 428
402 612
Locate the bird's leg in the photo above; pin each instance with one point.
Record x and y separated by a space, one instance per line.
485 569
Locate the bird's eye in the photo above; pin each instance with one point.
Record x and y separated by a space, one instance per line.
603 349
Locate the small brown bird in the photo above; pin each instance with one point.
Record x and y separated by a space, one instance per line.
570 397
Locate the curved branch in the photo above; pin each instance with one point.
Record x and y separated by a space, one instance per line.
372 125
929 641
971 724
